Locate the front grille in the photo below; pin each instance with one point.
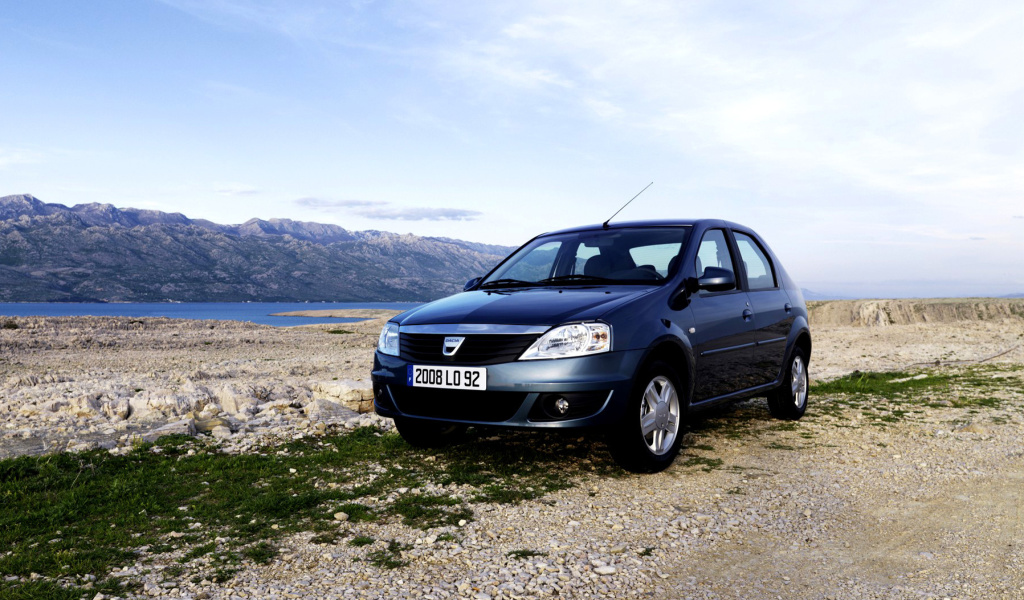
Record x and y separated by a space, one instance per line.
475 350
459 405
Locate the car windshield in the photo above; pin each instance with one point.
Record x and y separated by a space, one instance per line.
646 256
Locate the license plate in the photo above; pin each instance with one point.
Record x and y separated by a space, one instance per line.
449 378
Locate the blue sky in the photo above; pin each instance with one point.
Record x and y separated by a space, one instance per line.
877 146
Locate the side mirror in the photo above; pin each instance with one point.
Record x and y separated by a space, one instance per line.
680 299
472 283
717 279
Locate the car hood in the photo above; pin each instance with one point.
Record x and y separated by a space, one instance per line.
530 306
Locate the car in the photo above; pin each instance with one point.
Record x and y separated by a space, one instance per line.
624 328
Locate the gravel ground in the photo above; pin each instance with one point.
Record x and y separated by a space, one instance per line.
838 505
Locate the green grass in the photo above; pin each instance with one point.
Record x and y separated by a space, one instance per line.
883 385
390 557
339 331
706 464
361 540
524 554
886 398
67 515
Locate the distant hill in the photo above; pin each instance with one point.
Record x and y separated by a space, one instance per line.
883 313
96 252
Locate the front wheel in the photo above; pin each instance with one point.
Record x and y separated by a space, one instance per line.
649 438
429 434
789 401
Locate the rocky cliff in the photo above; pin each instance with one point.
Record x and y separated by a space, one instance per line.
96 252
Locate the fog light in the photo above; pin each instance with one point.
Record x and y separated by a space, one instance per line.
562 406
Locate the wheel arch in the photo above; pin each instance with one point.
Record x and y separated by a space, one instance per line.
675 352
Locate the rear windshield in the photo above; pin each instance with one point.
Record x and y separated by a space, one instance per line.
646 255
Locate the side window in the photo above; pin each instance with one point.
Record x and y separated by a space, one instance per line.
760 275
656 256
713 252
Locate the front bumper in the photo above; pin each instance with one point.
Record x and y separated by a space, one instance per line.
519 393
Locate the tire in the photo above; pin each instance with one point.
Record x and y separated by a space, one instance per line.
429 434
651 433
789 400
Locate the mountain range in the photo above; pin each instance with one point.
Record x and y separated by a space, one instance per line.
96 252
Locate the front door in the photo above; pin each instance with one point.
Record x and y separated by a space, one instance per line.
723 336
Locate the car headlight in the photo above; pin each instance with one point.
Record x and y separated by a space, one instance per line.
578 339
388 341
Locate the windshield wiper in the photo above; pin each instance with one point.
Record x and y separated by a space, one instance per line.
575 277
506 282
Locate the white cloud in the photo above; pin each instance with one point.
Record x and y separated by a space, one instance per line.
236 189
10 157
419 214
331 205
385 211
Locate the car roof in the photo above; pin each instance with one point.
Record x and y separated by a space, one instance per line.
649 223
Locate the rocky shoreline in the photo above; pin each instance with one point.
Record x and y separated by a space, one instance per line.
77 383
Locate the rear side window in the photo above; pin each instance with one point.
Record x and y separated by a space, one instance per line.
760 274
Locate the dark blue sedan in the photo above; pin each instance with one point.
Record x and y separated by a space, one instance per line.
625 327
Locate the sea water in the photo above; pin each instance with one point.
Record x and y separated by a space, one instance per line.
255 312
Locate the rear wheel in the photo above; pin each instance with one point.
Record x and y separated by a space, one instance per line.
649 438
789 401
429 434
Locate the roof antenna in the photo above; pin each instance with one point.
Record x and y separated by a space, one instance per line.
605 225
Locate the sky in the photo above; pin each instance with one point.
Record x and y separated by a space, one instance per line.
878 147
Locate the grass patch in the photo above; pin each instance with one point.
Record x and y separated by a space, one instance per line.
260 553
9 325
524 554
887 385
361 540
706 464
198 551
390 557
68 515
886 398
339 331
425 511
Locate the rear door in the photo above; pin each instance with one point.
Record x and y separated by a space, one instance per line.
723 335
773 316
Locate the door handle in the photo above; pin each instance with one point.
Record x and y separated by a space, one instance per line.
788 307
747 314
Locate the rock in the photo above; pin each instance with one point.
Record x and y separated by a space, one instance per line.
54 405
973 428
84 406
236 399
355 395
208 425
327 411
341 516
82 446
118 409
605 570
221 432
183 427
